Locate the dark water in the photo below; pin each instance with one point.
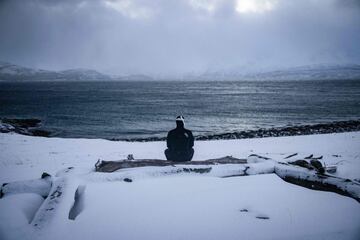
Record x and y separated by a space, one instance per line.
148 109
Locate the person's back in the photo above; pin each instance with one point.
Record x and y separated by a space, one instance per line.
180 142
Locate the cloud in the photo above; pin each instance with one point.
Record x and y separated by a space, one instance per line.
255 6
129 9
178 36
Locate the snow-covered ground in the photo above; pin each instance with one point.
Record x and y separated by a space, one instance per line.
177 206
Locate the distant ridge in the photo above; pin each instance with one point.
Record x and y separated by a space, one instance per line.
12 72
311 72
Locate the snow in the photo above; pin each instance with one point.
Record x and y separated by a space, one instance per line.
16 213
40 186
5 127
26 157
168 202
209 208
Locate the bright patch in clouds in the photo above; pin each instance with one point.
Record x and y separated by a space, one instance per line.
129 9
255 6
174 37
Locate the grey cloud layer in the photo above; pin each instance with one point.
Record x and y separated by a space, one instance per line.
172 37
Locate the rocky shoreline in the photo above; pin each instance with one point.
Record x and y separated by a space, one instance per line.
29 126
33 127
332 127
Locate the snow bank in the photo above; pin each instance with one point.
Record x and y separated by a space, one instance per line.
17 211
40 186
26 157
189 207
174 202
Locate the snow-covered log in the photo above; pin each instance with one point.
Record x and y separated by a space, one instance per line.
111 166
311 179
58 203
64 198
306 176
40 186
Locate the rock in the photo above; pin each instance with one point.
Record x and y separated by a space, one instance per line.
45 175
23 126
127 180
22 123
40 133
332 127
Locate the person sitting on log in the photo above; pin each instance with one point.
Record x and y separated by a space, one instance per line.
180 142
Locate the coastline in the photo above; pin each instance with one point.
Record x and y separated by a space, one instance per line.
321 128
29 156
33 127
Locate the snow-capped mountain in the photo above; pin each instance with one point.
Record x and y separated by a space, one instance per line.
135 77
315 72
84 74
12 72
312 72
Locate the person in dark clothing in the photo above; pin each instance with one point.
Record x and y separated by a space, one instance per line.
180 142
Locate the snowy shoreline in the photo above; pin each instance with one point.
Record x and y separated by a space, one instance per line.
298 130
157 206
40 153
33 127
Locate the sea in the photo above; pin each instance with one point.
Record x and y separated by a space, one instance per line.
142 109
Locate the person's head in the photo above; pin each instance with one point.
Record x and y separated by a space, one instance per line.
180 122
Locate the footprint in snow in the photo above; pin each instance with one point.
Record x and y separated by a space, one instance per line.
262 216
244 210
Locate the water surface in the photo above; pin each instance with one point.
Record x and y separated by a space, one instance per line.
148 109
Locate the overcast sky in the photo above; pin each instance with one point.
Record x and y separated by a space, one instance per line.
178 36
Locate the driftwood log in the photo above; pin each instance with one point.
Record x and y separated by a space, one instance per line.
306 172
55 189
316 180
64 192
111 166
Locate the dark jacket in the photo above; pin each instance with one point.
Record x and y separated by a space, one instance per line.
180 140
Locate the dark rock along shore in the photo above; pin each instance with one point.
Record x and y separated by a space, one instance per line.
333 127
23 126
32 127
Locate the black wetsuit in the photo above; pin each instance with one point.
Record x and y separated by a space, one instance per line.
180 142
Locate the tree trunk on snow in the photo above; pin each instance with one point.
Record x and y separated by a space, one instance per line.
111 166
305 176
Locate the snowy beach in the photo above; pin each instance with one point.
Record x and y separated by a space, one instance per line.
180 120
180 205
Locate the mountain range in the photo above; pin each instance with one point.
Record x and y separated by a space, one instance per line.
12 72
311 72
